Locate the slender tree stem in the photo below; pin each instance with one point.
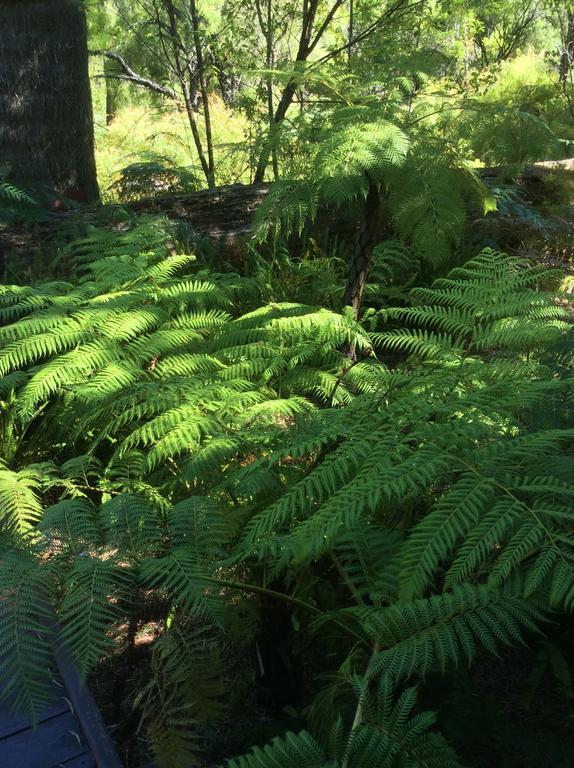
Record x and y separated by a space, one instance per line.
258 590
204 93
359 711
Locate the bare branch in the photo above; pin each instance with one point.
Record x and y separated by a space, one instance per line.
395 11
131 76
323 28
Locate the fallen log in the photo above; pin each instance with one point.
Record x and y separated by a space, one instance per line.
226 213
223 213
536 170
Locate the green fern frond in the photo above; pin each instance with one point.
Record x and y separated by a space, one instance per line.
131 525
71 525
90 608
293 750
443 630
26 621
180 574
20 506
368 557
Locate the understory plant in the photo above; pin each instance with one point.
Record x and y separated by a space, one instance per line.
178 460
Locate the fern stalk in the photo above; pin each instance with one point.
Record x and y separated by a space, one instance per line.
358 718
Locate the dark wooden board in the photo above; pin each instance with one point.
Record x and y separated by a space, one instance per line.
53 742
82 761
91 724
11 724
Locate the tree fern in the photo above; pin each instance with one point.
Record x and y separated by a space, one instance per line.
410 508
385 733
89 607
26 621
443 630
435 429
20 507
158 359
184 695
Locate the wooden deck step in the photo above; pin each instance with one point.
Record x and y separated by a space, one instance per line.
53 743
69 733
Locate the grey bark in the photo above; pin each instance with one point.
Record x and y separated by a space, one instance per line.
46 121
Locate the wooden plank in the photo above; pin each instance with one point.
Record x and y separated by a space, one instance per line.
10 723
94 730
86 760
47 746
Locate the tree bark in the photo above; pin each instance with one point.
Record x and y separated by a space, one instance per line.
46 121
567 56
204 92
110 94
367 238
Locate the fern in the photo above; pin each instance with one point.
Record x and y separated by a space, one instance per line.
18 205
183 696
424 190
26 619
411 508
437 430
89 608
443 630
20 507
385 734
158 360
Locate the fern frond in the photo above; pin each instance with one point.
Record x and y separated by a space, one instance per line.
20 505
131 525
26 621
293 750
90 608
439 632
181 575
71 525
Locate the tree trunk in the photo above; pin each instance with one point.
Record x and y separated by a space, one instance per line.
369 234
567 55
305 47
111 93
46 122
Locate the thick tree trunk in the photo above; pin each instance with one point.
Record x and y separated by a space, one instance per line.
46 122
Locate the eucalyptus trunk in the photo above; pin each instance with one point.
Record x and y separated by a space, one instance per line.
46 122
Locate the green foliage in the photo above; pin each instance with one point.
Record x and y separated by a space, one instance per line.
25 632
181 699
91 564
425 192
20 507
433 422
445 630
150 178
201 455
501 135
256 517
387 734
18 205
144 355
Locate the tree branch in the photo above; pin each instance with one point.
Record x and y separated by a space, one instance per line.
323 28
399 9
131 76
